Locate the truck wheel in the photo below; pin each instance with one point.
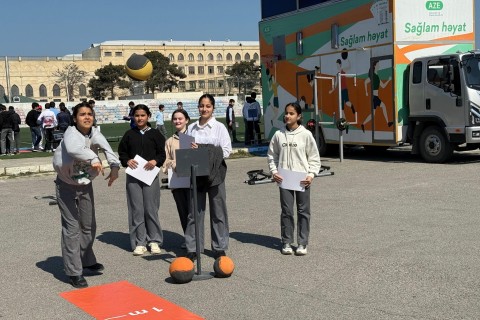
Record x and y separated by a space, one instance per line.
434 146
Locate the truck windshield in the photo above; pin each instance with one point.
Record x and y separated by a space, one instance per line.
471 66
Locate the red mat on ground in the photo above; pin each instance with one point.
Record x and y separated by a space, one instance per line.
123 300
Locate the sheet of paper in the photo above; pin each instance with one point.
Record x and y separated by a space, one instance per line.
174 181
185 140
291 179
146 176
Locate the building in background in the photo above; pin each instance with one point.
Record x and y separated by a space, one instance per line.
203 62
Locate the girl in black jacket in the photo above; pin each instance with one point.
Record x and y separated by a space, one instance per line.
143 200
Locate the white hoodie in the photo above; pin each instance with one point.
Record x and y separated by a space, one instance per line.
294 150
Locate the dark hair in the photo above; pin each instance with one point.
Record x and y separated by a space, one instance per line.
209 97
180 103
339 61
81 105
161 106
231 100
142 107
10 108
35 105
131 103
2 107
91 101
52 104
253 95
47 105
62 107
182 111
297 108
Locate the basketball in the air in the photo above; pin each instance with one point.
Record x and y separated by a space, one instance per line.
182 270
223 267
138 67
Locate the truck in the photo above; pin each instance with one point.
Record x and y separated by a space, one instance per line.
374 73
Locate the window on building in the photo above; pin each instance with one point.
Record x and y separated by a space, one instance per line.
15 91
29 91
43 90
220 83
256 57
181 85
107 54
190 57
180 57
56 91
229 57
210 57
191 70
219 57
201 70
82 90
247 57
171 57
220 69
200 57
211 70
238 57
118 54
192 85
201 84
211 84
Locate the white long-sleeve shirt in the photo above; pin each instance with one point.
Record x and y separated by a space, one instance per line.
213 132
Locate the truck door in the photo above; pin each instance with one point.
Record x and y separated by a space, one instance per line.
379 87
439 102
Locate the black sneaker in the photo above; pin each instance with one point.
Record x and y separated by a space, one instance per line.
97 267
78 282
192 256
218 254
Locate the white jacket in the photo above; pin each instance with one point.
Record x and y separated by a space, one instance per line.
294 150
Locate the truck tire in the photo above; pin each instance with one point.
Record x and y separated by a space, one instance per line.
434 146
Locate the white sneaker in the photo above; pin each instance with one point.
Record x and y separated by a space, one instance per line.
287 249
301 250
139 251
154 248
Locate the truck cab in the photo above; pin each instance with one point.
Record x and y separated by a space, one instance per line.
444 104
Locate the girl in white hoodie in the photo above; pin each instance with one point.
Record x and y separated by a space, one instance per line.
294 148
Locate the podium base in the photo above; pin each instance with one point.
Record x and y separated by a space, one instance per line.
202 276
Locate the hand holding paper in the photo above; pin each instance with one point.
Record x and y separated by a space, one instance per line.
139 172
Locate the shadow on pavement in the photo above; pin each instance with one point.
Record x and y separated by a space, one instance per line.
119 239
258 239
53 265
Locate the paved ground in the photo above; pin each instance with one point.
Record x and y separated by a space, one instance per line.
391 238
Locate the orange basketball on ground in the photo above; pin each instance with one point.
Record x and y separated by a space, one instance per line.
223 267
182 270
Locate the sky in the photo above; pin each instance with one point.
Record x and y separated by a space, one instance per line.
61 27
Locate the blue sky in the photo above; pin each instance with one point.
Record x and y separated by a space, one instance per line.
60 27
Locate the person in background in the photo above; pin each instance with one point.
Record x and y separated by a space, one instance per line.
49 122
16 121
251 115
181 196
294 148
211 134
130 116
143 200
77 163
53 108
92 104
179 105
35 130
63 118
159 118
6 130
230 120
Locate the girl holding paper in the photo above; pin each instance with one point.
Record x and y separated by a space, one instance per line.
293 148
181 196
143 200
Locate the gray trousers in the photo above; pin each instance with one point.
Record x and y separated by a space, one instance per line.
287 222
182 199
143 203
77 209
217 199
4 134
162 130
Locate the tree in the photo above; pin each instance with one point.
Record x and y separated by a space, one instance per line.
69 78
165 75
108 78
244 74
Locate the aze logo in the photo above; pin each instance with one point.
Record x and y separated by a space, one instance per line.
434 5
